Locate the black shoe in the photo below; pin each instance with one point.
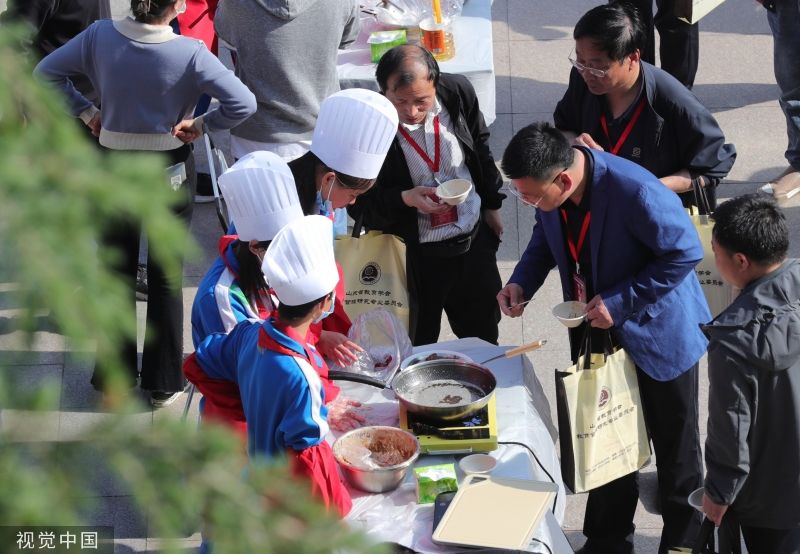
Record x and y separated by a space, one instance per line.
141 283
160 399
205 190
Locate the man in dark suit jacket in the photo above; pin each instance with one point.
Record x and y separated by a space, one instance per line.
451 250
618 103
623 243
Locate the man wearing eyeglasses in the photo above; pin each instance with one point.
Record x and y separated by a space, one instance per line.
618 103
451 251
623 243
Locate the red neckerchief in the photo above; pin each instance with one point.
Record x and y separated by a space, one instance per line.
627 131
266 342
573 249
222 246
434 163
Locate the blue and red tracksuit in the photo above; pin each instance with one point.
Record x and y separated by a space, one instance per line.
218 307
283 399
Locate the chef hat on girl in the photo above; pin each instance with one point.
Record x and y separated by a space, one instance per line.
261 195
354 130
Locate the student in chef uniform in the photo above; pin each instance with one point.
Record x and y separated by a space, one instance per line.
276 367
260 193
354 130
261 198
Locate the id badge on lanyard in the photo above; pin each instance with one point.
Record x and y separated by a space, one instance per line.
451 215
446 218
578 279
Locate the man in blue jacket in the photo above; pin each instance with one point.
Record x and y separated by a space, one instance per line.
622 243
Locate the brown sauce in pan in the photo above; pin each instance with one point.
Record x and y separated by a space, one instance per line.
445 392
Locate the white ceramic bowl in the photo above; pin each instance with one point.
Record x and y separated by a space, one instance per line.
440 355
454 192
477 463
571 313
696 499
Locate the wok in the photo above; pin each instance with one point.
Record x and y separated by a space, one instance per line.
442 390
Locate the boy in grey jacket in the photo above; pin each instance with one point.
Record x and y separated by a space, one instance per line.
753 445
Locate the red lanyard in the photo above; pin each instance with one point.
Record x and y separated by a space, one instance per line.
628 128
573 249
433 164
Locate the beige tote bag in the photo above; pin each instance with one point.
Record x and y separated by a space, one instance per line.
374 267
600 421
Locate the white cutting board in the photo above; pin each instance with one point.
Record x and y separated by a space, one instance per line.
495 512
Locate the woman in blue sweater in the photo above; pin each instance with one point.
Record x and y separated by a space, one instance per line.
148 80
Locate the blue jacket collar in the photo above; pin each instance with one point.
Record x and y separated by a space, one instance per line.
292 343
282 338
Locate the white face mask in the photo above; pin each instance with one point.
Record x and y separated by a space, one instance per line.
326 207
182 10
327 312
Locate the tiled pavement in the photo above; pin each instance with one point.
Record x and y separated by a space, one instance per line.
532 39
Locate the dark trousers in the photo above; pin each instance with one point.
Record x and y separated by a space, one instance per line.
670 411
464 286
680 42
162 356
771 541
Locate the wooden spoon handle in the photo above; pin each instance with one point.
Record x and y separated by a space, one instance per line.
525 348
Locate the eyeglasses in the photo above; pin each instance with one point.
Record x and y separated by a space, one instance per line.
521 195
599 73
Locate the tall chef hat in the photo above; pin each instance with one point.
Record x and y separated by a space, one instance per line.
299 264
354 130
261 195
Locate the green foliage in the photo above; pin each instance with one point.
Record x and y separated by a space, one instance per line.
58 195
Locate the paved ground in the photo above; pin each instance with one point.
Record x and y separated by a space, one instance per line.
531 44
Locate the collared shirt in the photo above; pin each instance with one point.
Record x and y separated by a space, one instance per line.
451 166
631 147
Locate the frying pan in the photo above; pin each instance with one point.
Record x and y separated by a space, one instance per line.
443 390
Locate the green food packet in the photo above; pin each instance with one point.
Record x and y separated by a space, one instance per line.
432 480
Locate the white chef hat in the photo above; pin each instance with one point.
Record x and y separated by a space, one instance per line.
299 264
354 130
261 195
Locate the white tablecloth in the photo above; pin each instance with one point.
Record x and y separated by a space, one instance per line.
396 517
472 35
